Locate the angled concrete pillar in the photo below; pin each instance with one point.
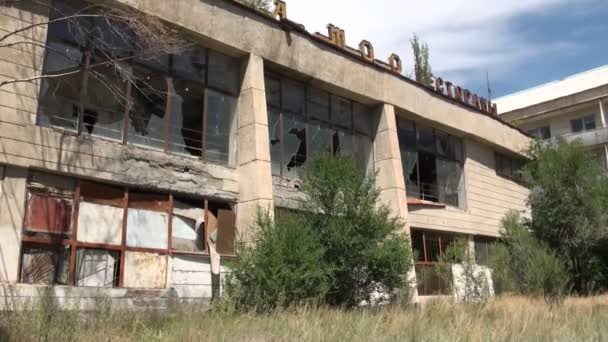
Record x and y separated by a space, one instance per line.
387 161
389 178
255 177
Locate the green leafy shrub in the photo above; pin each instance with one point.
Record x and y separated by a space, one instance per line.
284 267
343 249
524 265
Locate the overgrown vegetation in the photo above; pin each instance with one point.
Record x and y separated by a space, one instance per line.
563 247
505 319
457 266
345 249
522 264
569 201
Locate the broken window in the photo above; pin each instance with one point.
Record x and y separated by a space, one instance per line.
294 145
186 131
59 97
221 111
97 267
428 247
163 96
224 72
45 265
104 107
432 164
187 225
148 105
148 221
305 120
90 251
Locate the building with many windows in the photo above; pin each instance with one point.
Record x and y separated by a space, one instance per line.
572 108
132 181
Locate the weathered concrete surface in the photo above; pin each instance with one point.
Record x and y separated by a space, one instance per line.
255 180
11 221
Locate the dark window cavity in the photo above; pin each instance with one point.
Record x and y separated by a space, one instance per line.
304 120
433 163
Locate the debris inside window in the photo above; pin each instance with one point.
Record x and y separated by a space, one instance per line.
96 268
45 265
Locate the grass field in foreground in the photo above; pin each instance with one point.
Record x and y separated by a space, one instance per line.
501 319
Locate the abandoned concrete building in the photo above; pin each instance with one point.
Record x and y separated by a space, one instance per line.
574 108
137 198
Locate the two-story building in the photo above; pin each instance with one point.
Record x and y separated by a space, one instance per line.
572 108
128 182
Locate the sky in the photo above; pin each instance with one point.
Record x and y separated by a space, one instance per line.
518 43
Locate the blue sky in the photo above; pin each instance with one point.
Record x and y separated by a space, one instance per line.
521 43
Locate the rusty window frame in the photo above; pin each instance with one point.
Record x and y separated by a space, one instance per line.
170 78
444 239
51 241
308 120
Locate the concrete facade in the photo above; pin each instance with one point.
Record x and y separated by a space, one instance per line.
558 106
259 43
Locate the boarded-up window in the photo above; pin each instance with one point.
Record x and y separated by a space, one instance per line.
48 214
225 231
98 223
187 226
96 268
148 220
100 213
145 270
148 229
46 265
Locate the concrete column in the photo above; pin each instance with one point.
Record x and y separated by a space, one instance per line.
254 168
602 114
12 202
389 178
387 161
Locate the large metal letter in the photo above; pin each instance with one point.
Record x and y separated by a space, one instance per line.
367 51
336 35
280 9
395 62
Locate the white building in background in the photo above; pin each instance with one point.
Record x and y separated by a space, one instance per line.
574 108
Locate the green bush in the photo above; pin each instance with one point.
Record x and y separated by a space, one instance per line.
343 249
524 265
284 267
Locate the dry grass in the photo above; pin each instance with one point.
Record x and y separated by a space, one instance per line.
504 319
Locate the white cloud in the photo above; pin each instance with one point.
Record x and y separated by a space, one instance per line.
466 37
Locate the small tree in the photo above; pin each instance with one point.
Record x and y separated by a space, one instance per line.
468 281
344 249
569 201
522 264
422 66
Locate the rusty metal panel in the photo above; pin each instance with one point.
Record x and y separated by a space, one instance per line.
96 268
99 223
147 229
48 214
145 270
225 231
45 265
